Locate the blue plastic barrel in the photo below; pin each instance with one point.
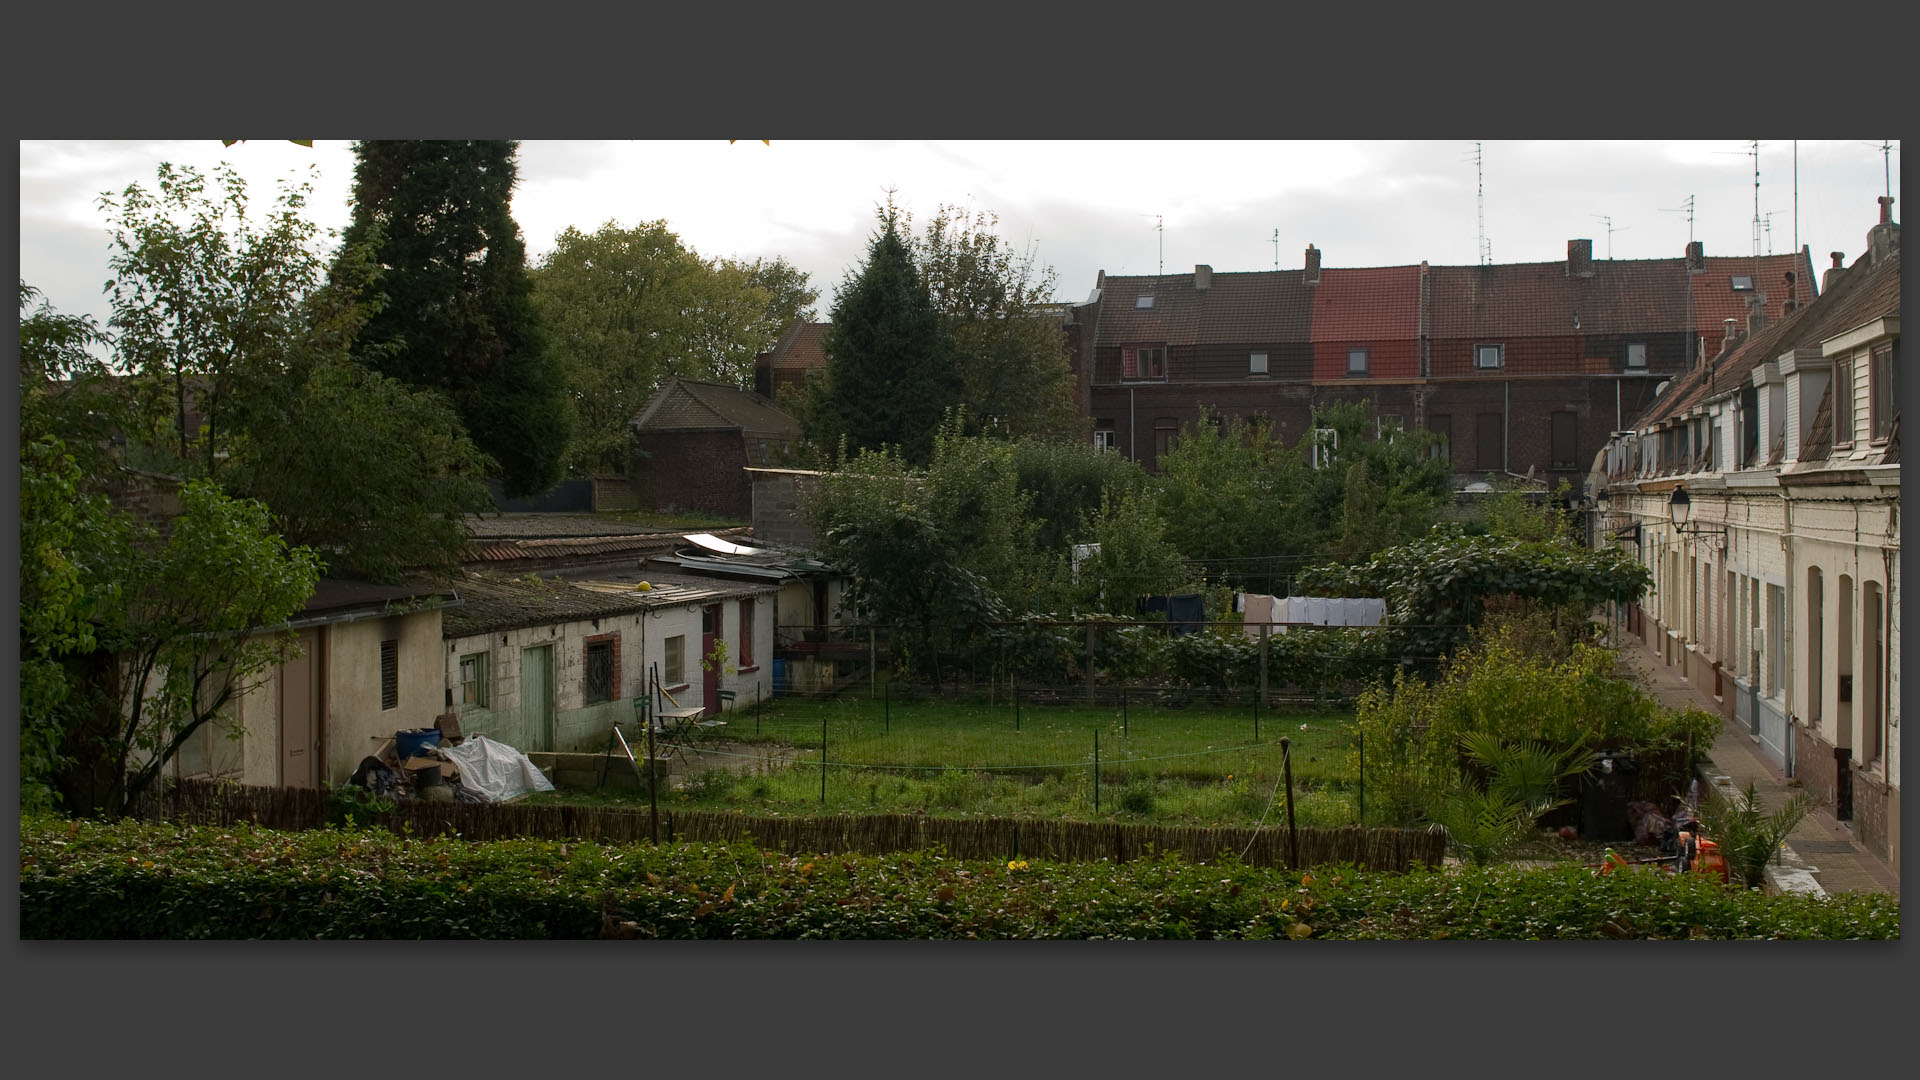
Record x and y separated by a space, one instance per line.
406 744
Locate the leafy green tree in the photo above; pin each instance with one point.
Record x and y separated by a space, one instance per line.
69 581
1235 501
66 390
1133 558
458 315
181 630
626 308
890 374
1066 482
206 302
1010 355
878 521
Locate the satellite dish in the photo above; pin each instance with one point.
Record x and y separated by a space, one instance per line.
1662 388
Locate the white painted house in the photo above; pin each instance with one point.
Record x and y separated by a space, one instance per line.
1762 490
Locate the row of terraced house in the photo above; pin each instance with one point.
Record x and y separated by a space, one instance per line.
1762 490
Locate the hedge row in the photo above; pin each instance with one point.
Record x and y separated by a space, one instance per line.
129 880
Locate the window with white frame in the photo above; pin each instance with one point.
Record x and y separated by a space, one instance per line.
1104 437
1143 361
473 681
1356 361
1326 441
1637 354
673 660
1142 303
1257 363
1489 356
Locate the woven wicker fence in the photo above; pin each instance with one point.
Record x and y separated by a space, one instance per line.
207 802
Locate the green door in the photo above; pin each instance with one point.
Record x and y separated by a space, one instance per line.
536 698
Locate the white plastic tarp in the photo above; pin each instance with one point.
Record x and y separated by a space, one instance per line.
495 769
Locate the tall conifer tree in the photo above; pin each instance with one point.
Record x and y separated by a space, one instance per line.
458 315
889 376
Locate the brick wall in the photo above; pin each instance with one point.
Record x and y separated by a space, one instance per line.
613 493
694 470
1875 812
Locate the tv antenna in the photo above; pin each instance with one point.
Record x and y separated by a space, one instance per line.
1885 146
1480 186
1766 223
1686 207
1753 151
1607 219
1160 226
1276 249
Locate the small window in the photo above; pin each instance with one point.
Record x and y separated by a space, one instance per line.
1843 403
1165 436
473 681
746 633
1442 429
1637 354
1104 437
1883 392
389 674
599 672
1489 356
1742 283
1565 427
1326 441
673 660
1142 303
1257 364
1153 362
1356 361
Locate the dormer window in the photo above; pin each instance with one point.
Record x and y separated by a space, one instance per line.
1257 363
1489 356
1637 354
1742 283
1356 361
1143 361
1142 303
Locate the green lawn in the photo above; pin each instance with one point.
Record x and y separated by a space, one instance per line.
1200 765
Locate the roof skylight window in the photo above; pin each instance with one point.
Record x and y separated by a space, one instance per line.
1742 283
1141 303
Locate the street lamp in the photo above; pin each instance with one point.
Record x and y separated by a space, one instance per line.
1680 507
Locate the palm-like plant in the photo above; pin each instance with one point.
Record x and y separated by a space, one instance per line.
1749 837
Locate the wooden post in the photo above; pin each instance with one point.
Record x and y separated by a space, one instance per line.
1263 661
1286 773
1090 633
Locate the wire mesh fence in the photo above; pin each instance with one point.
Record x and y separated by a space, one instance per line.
1191 755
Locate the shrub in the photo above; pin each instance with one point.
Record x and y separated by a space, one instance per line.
131 880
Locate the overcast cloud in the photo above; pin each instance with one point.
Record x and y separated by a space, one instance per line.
1084 206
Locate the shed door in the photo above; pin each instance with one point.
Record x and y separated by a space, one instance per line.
536 697
300 682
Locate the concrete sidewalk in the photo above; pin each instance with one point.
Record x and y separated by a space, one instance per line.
1821 851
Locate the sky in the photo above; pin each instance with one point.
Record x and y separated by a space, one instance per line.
1081 207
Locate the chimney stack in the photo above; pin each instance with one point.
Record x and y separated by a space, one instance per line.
1313 265
1883 239
1696 257
1202 277
1580 258
1834 273
1756 314
1731 334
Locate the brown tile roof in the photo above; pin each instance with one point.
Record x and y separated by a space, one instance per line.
1540 300
802 347
1714 300
686 405
1367 303
1867 292
1260 307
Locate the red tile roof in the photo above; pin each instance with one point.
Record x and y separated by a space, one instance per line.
801 348
1374 303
